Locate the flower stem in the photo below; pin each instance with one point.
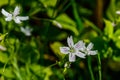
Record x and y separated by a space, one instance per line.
99 67
16 69
89 67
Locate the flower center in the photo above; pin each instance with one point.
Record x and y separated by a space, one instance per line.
72 50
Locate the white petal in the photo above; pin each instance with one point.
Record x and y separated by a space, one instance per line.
79 45
72 57
8 18
92 52
23 18
80 54
2 48
70 41
26 31
22 29
16 11
64 50
5 13
17 20
118 12
90 46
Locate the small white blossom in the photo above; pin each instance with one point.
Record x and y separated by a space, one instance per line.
118 12
27 30
113 24
87 50
14 15
67 65
73 49
2 48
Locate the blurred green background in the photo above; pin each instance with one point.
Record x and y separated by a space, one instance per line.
52 21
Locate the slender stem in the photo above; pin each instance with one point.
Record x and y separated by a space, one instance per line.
99 67
52 65
89 67
76 15
17 71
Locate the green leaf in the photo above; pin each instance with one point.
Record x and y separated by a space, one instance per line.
89 23
3 2
43 72
49 2
7 73
108 28
67 23
111 10
56 49
3 57
116 38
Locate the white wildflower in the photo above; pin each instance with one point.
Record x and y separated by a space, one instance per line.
27 30
73 49
87 50
2 48
118 12
14 16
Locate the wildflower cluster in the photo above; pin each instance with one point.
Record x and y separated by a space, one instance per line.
14 16
79 49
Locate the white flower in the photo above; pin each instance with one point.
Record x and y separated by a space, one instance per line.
67 65
113 24
14 15
87 50
27 30
118 12
2 48
72 50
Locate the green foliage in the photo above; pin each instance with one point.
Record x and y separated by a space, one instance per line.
38 56
108 29
67 23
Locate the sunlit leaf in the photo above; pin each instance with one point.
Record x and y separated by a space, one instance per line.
44 72
116 38
111 10
6 2
7 72
67 23
49 2
56 49
108 28
3 57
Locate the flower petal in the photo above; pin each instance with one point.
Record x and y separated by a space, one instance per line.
2 48
17 20
80 54
92 52
5 13
8 18
72 57
64 50
79 45
23 18
118 12
26 31
16 11
90 46
70 41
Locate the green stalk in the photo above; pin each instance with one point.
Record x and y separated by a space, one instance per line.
16 69
89 67
99 67
76 15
